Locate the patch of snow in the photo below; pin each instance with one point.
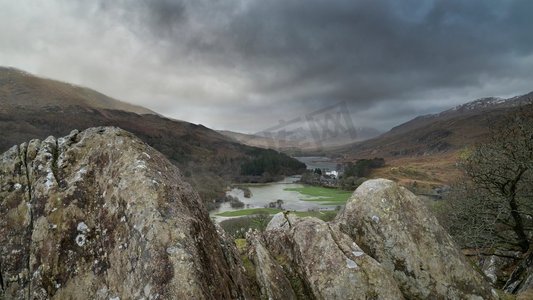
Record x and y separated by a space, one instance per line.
358 253
123 219
17 186
350 264
146 154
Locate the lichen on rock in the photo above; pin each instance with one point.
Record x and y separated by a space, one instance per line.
82 219
395 228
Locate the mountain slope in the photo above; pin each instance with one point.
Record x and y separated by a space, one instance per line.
20 89
32 107
444 132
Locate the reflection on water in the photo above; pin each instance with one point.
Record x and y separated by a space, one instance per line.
263 194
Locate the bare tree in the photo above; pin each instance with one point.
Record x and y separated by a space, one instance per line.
501 174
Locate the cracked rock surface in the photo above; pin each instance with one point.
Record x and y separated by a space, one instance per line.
98 215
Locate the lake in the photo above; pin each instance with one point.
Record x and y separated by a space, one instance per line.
295 196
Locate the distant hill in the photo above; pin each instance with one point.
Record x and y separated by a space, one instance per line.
33 107
300 139
438 133
259 141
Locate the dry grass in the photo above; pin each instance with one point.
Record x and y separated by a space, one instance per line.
431 170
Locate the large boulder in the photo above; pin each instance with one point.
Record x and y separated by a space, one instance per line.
100 215
395 228
321 262
385 244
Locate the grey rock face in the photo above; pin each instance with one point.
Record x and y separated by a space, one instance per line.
391 224
521 280
98 215
325 263
270 276
496 265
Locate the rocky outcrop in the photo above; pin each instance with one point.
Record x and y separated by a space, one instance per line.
521 280
384 245
325 263
395 228
100 215
497 265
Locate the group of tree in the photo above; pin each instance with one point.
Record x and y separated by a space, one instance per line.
362 167
492 206
356 173
273 163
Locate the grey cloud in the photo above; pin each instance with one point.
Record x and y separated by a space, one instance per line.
209 61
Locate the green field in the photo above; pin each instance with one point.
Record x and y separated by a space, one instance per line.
324 215
325 196
249 211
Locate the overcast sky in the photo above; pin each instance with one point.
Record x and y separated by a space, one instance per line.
246 64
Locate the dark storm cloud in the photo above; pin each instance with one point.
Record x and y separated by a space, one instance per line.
354 50
389 60
160 17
